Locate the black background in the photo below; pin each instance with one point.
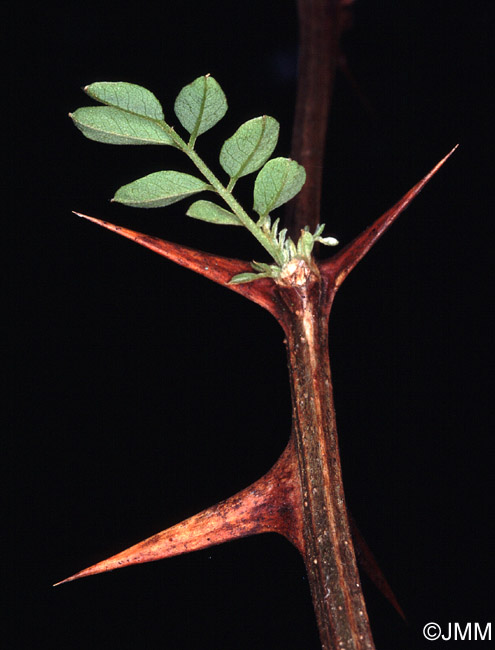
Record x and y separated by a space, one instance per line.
142 393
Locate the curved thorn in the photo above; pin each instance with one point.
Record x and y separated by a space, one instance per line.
268 505
216 268
340 265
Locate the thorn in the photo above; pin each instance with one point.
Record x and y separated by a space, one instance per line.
268 505
338 267
370 566
216 268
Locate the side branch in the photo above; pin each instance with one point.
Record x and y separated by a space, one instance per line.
338 267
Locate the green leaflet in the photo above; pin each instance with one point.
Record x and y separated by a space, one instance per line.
262 267
263 271
208 211
128 97
305 244
278 182
200 105
241 278
159 189
250 146
115 126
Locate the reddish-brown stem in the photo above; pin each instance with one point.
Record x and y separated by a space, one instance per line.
329 553
302 496
320 26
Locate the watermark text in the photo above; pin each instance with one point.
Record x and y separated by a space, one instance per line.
458 632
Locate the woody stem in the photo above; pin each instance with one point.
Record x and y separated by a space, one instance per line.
320 25
328 550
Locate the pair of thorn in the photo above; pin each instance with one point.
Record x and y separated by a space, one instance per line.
276 502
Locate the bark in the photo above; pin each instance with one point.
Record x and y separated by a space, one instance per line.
329 554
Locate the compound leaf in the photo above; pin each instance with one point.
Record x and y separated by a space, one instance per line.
127 96
200 105
159 189
250 146
115 126
278 182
